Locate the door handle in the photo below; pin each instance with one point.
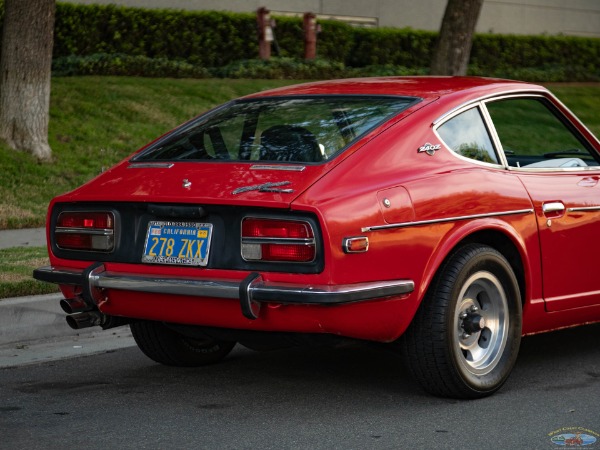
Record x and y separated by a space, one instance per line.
553 208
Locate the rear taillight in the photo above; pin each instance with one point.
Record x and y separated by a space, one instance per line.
86 231
277 240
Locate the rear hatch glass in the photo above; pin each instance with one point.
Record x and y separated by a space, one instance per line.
303 129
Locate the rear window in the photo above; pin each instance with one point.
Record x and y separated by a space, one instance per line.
290 129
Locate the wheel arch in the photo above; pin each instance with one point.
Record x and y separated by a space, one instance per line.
498 235
507 247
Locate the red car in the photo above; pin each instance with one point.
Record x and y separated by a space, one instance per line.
445 216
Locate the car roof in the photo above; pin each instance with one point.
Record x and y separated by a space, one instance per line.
424 87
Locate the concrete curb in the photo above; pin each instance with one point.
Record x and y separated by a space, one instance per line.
33 329
32 318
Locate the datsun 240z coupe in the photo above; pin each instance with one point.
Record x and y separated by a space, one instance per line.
447 217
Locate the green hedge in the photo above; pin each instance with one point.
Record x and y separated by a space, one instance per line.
502 52
283 68
206 38
405 47
130 65
275 68
198 42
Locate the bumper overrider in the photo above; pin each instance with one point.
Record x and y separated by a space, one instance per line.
252 291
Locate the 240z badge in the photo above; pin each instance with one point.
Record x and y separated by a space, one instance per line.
430 149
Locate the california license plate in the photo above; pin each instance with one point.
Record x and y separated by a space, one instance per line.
180 243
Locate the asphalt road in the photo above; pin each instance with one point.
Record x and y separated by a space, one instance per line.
350 397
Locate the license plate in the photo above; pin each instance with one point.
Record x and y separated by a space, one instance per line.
180 243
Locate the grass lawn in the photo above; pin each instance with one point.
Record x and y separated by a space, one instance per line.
16 266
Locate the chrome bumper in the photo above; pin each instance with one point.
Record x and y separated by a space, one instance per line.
251 291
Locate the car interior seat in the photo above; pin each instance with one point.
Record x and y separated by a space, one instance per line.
289 143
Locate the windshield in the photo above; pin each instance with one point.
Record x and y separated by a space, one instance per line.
290 129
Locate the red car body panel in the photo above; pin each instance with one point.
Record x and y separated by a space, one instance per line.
347 194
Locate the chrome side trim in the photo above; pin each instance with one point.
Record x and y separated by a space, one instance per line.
150 165
445 220
259 290
277 167
584 209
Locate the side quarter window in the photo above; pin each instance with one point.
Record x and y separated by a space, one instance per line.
467 135
533 135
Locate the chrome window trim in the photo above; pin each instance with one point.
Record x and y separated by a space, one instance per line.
484 114
481 102
446 220
553 169
489 123
524 92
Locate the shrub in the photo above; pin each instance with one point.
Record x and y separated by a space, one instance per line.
108 39
206 38
121 64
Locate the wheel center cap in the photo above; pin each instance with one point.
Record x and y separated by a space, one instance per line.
473 323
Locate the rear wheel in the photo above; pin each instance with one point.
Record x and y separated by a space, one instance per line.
166 346
464 339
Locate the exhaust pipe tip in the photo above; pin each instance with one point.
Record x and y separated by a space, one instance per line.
74 305
84 320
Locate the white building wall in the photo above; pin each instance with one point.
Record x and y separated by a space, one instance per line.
569 17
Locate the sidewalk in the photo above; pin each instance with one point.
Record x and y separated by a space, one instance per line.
28 237
33 328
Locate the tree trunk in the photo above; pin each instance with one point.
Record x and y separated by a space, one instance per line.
25 68
452 51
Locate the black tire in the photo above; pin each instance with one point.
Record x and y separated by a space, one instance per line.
465 337
166 346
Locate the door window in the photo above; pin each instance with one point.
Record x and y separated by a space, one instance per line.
532 135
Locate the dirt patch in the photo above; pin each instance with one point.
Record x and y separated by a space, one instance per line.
13 213
9 277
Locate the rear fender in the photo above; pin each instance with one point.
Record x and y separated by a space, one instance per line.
467 231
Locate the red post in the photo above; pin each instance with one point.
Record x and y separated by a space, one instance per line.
310 35
265 32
